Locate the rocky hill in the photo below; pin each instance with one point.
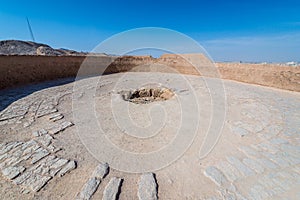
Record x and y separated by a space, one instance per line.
17 47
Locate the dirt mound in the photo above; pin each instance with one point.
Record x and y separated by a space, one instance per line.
17 47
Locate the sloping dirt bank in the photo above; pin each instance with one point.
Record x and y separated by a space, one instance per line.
282 77
19 70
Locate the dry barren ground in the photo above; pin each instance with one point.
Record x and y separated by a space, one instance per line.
44 152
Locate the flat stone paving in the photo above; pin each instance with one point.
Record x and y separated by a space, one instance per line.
263 161
33 163
269 167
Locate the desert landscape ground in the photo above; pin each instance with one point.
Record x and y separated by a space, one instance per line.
49 149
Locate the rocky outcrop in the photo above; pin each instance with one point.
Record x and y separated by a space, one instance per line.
47 51
17 47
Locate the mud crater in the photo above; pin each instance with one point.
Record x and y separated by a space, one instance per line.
147 95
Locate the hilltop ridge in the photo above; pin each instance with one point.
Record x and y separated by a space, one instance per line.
18 47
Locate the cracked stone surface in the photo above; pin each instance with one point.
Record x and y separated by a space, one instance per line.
111 190
31 162
101 171
256 157
89 189
93 182
215 175
147 187
30 165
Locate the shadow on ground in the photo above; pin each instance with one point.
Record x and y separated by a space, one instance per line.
10 95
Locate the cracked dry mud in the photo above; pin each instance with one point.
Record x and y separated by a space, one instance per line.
257 155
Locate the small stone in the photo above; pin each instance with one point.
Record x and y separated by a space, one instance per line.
112 189
13 172
39 155
26 124
248 151
35 134
69 167
2 145
57 166
166 94
253 165
266 181
9 147
278 159
22 178
40 183
39 133
45 140
4 156
28 144
258 192
147 187
59 163
49 160
25 191
229 171
60 127
56 117
65 125
101 171
226 194
54 130
240 166
266 146
35 182
46 112
18 161
53 149
8 162
89 189
267 163
41 169
215 175
31 149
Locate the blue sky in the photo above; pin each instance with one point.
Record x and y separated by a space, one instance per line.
229 30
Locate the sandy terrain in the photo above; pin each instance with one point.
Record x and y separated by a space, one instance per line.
256 156
203 137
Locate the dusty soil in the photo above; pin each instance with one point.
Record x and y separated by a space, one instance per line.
259 118
271 75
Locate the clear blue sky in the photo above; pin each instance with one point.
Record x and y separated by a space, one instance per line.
256 30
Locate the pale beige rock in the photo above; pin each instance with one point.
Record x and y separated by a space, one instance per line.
112 189
67 168
147 187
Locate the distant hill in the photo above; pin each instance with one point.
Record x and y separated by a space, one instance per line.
17 47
